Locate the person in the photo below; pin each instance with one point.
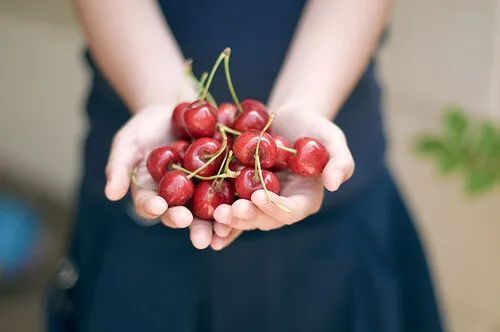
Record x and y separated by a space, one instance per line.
345 260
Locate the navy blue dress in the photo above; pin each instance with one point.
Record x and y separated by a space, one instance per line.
357 265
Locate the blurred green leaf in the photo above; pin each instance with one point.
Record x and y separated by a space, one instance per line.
479 181
430 145
455 121
474 150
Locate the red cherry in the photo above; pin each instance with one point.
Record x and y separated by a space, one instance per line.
248 182
244 148
235 165
254 116
310 159
180 146
226 112
159 161
177 121
175 188
208 195
282 156
230 139
200 119
199 152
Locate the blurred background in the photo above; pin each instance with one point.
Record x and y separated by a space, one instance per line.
439 52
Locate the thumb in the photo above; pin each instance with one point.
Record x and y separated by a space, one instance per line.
340 167
124 156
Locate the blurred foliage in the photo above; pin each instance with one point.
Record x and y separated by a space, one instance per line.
472 150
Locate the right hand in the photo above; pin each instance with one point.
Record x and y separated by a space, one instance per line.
146 130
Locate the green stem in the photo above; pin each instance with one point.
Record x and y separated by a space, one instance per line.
227 129
230 81
199 177
287 149
212 73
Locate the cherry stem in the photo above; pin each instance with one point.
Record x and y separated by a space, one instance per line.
224 128
199 177
237 133
199 83
230 81
221 57
257 157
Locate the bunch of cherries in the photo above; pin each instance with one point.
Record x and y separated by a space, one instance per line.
226 150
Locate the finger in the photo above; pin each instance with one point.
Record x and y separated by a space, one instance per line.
201 233
340 167
222 214
286 210
245 216
177 217
147 203
219 243
221 230
123 158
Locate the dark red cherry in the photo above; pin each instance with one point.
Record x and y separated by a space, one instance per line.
310 159
226 112
200 119
208 195
230 139
159 161
235 165
248 182
282 156
177 121
180 146
199 152
254 116
175 188
245 145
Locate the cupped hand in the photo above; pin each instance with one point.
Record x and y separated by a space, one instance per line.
300 196
146 130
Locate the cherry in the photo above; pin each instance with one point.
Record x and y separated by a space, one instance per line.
177 121
200 119
245 145
226 112
175 188
282 156
235 165
230 140
208 195
248 182
199 152
180 146
254 116
159 161
310 159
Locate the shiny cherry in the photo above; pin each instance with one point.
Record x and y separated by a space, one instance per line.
282 156
200 119
199 152
180 146
245 145
208 195
310 159
177 121
248 182
175 188
226 112
254 116
159 161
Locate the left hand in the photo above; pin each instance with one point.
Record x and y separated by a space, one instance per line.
303 196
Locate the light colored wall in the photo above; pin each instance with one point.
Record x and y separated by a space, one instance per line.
440 52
